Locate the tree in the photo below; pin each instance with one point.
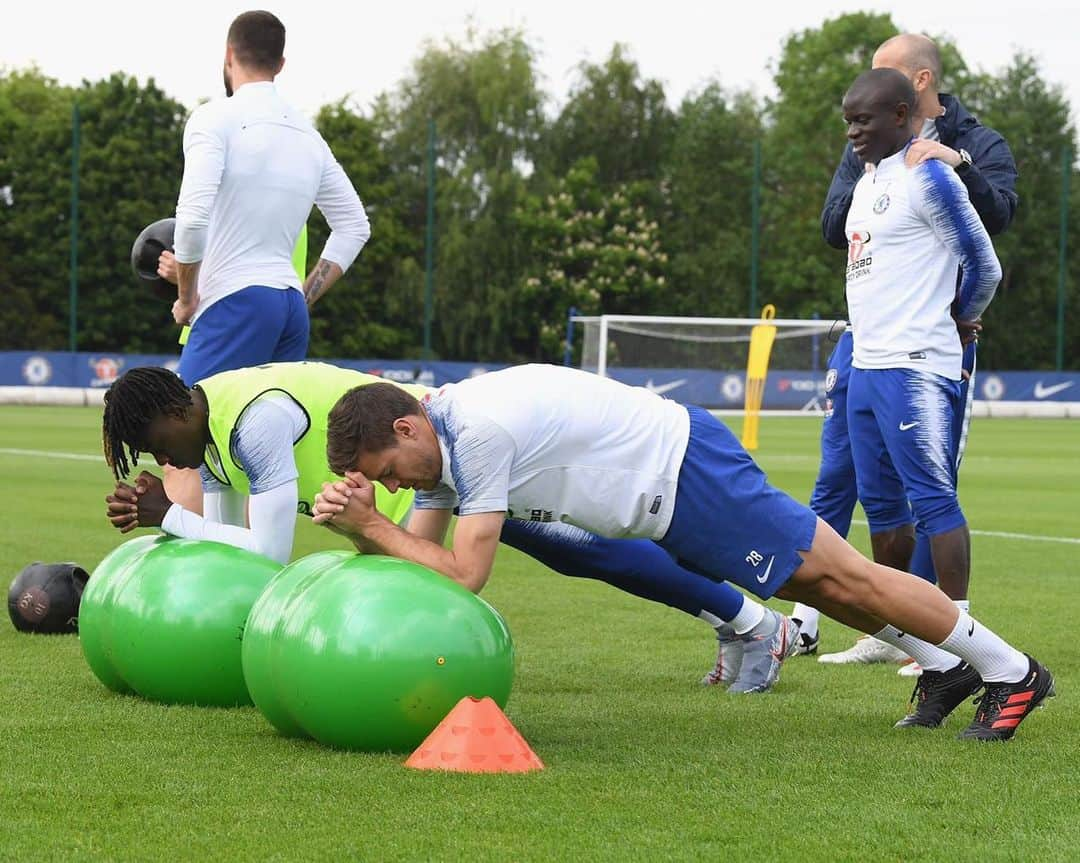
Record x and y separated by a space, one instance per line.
487 108
131 164
802 147
594 251
706 225
1019 325
129 173
372 311
616 117
35 172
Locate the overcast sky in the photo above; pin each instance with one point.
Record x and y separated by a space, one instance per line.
361 49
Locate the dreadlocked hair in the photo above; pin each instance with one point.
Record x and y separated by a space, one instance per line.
133 401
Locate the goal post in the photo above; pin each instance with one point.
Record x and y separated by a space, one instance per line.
707 361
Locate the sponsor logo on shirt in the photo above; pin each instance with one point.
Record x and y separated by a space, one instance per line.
858 263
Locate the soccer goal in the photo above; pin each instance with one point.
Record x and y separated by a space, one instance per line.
706 361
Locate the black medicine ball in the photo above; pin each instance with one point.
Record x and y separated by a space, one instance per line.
155 238
45 597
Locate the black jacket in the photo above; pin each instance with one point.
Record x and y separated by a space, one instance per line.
990 181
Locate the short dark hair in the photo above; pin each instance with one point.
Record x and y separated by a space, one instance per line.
258 40
362 421
887 85
135 400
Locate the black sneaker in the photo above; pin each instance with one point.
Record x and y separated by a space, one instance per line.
1003 706
939 693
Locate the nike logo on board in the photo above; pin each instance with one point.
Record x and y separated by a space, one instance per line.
1042 392
660 389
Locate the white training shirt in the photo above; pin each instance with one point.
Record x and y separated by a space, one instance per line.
549 443
253 167
910 233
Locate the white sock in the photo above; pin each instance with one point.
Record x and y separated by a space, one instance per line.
923 652
808 618
963 604
995 659
749 616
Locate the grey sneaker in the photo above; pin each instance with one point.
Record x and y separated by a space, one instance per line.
765 647
729 655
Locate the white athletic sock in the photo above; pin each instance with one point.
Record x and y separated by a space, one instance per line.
963 604
996 660
923 652
808 618
749 616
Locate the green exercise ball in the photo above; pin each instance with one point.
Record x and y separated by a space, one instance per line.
261 635
163 617
369 653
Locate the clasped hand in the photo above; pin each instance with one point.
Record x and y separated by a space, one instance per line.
347 505
141 505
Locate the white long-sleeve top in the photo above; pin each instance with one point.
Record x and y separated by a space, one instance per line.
253 168
911 233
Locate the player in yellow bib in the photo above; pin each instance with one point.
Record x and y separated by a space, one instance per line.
258 435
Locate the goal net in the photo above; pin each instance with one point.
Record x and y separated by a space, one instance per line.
703 361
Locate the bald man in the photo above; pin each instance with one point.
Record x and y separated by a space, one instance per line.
983 162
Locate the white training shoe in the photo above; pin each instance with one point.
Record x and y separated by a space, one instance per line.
910 669
866 650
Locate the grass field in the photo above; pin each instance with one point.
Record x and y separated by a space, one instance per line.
642 764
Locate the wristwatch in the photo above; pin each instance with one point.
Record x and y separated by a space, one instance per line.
965 163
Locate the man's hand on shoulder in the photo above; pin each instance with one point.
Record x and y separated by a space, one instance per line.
922 149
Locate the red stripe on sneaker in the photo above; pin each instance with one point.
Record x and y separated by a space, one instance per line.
1015 710
1007 723
1021 697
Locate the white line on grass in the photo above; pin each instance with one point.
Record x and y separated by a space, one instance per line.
1026 537
1001 534
70 456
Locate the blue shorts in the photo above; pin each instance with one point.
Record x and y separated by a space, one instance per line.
903 440
835 493
729 523
255 325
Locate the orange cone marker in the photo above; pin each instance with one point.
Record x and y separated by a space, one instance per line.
475 737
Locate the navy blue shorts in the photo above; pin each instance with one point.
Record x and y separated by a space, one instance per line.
729 523
835 493
904 441
255 325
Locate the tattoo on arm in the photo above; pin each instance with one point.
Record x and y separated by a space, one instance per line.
316 283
